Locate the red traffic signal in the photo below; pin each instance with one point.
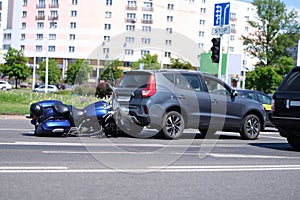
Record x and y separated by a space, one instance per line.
215 50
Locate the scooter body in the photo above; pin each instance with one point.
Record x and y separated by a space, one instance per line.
62 119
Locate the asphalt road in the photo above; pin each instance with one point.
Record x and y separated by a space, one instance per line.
222 167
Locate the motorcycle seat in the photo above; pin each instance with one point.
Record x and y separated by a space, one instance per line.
61 108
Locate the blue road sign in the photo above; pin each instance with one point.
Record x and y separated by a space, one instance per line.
221 14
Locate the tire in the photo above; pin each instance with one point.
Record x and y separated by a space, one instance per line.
251 127
172 125
294 142
4 88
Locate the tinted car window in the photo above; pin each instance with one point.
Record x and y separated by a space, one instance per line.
292 83
264 99
215 87
131 80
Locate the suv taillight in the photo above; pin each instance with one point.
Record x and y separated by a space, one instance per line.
150 88
273 105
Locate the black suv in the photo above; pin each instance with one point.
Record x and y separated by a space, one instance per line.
171 100
286 108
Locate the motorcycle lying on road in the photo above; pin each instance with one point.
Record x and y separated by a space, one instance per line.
52 117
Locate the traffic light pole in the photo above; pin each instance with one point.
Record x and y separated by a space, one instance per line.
220 59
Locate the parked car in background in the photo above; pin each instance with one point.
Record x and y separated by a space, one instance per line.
286 108
42 88
261 97
4 85
172 100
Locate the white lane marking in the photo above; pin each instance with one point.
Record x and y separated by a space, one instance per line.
162 169
278 138
32 168
216 155
16 129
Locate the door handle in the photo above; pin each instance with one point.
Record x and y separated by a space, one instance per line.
181 97
214 101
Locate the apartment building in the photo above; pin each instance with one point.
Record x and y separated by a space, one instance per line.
102 30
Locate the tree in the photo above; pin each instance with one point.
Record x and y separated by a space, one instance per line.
274 31
15 65
112 72
78 72
149 61
54 72
176 63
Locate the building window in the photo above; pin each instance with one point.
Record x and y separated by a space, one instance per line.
146 28
129 39
22 36
169 18
202 10
108 14
52 36
106 38
108 2
169 30
74 2
170 6
22 48
23 24
200 45
232 37
40 24
144 52
202 22
39 36
24 14
72 36
201 33
233 16
51 48
231 49
24 2
168 54
53 24
73 25
168 42
107 26
38 48
7 36
246 29
73 13
128 52
130 27
105 50
71 49
146 40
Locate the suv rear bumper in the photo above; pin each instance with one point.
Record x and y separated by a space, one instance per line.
287 126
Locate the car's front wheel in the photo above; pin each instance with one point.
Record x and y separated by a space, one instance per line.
294 142
172 125
250 127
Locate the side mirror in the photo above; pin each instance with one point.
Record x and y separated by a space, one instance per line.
234 93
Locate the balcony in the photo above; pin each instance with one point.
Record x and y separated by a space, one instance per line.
233 31
147 9
52 17
130 20
146 21
40 6
54 5
131 7
40 17
233 19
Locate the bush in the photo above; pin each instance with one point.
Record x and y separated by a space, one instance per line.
84 90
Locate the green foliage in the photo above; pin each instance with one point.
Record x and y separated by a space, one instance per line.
15 65
54 72
150 62
176 63
78 72
275 31
265 79
112 72
84 90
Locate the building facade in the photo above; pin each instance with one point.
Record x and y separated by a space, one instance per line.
102 30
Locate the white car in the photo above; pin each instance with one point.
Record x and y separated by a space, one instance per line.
42 88
4 85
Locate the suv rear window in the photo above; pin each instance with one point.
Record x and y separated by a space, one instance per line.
292 82
134 80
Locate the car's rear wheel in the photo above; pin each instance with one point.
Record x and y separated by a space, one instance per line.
294 142
3 88
172 125
250 127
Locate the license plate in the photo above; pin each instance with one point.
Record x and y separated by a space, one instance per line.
295 103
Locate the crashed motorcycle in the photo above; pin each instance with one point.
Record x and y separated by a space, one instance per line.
52 117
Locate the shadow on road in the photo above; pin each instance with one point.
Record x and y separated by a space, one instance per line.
275 146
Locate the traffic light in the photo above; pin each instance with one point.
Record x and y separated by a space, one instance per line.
215 50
